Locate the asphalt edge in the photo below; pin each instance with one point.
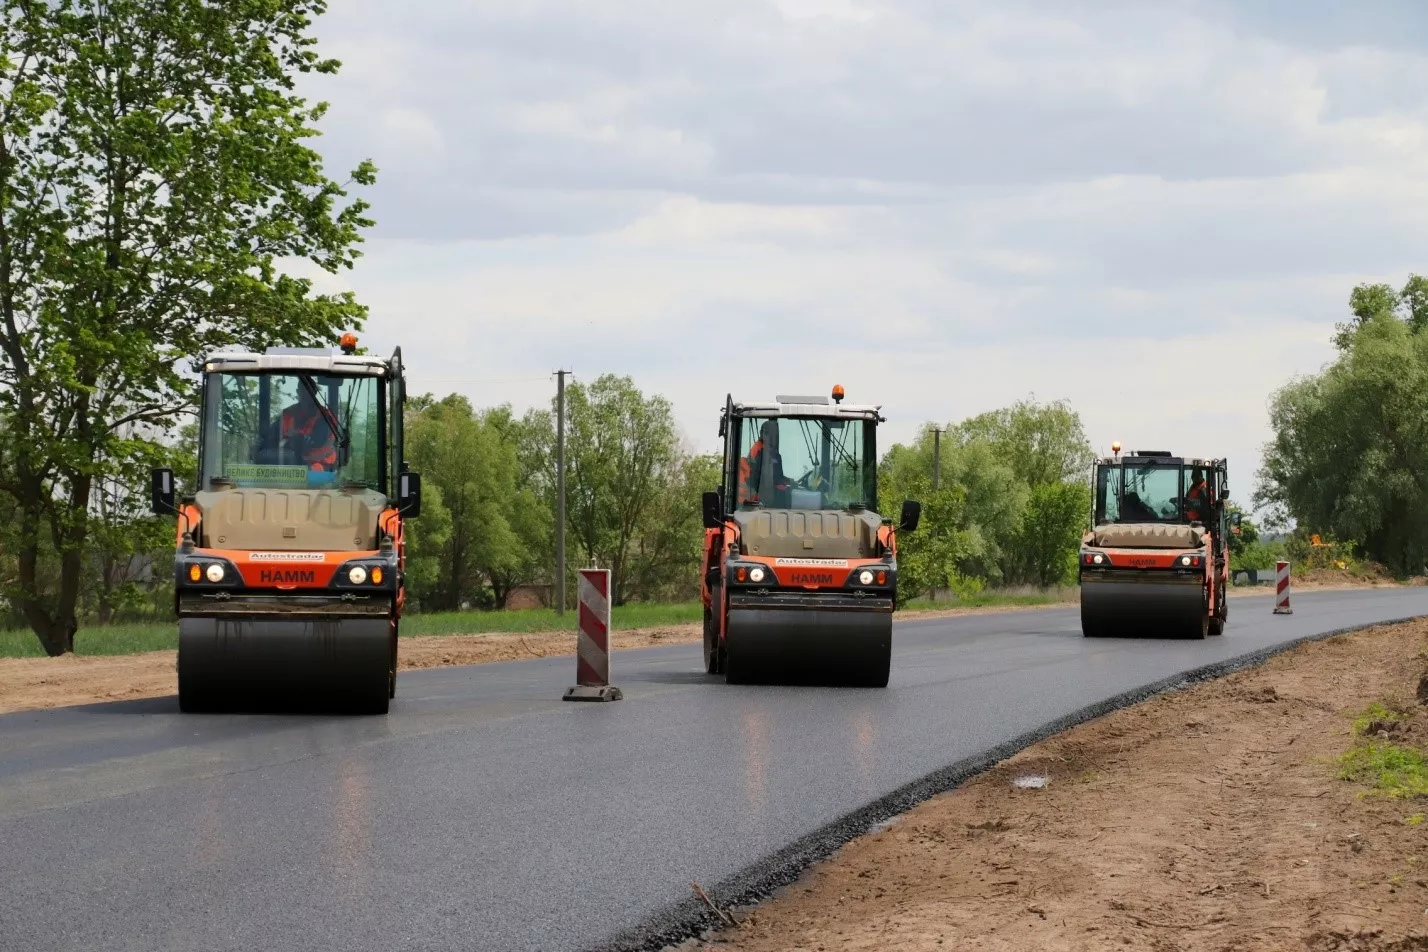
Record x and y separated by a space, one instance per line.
692 918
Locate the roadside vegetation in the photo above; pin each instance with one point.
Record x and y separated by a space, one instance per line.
1385 758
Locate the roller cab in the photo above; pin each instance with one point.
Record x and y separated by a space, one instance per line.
800 570
289 569
1156 562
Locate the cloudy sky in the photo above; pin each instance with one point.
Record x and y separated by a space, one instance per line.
1153 209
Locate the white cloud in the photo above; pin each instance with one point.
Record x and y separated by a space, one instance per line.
943 205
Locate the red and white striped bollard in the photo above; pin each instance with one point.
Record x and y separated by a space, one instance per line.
592 650
1281 588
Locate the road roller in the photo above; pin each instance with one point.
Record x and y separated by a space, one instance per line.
1156 561
288 574
800 570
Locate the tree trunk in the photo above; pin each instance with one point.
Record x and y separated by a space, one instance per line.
107 572
52 637
500 588
456 557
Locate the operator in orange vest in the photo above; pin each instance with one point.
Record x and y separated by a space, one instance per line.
1196 496
751 466
309 431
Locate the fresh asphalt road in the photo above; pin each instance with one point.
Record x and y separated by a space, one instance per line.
484 814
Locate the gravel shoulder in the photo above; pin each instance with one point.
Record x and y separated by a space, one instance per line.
1211 819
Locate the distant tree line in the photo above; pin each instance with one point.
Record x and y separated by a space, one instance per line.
488 526
1349 457
1010 508
1011 503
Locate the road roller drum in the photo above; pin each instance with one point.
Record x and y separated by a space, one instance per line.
330 665
809 646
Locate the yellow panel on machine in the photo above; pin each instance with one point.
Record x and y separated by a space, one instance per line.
289 573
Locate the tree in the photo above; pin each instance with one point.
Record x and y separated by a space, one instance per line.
154 171
493 516
622 453
949 548
1022 472
1349 457
934 557
531 520
1049 533
1043 444
669 546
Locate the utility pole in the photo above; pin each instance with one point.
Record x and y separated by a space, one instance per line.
936 458
936 481
560 491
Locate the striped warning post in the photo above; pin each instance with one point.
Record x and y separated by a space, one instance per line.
1281 588
592 649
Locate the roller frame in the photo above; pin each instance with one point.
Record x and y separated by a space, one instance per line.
271 663
806 640
1140 604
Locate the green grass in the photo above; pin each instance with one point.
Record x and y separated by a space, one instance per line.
1377 713
133 639
112 640
1390 770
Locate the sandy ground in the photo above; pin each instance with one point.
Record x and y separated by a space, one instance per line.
1211 819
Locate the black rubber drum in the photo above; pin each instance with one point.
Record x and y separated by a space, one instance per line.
1152 608
265 664
809 646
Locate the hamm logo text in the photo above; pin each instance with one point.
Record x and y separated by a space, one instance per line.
287 576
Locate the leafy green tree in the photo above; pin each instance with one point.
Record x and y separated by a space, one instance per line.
948 546
622 453
531 520
995 503
664 560
1022 471
622 450
426 541
154 171
1049 533
125 540
469 458
1042 443
1349 457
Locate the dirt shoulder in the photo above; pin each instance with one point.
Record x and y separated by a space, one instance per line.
1211 819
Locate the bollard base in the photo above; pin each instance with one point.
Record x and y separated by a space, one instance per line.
1284 611
590 692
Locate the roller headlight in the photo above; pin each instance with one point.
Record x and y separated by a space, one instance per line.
756 574
357 575
865 577
214 572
